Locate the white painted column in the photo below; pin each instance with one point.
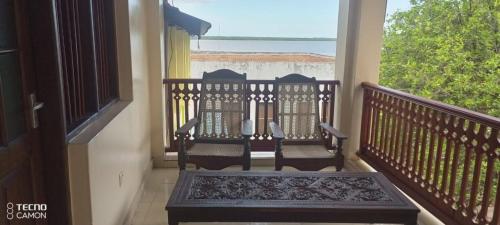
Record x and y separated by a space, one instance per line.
156 66
359 45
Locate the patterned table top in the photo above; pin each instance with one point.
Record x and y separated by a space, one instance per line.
285 189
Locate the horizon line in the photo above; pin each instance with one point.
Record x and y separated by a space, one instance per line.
260 38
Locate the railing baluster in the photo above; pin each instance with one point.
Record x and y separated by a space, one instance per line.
416 143
394 118
177 97
496 210
423 141
211 89
408 143
477 170
257 111
196 98
437 166
465 174
266 99
456 158
186 98
324 105
432 147
398 137
385 125
330 92
376 116
447 156
404 133
488 184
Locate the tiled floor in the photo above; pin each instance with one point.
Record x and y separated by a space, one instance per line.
159 185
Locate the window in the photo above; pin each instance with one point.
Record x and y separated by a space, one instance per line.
88 58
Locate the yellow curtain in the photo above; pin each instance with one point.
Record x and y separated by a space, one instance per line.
178 61
179 53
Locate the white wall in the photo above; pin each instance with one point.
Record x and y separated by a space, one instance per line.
359 45
156 51
123 146
266 70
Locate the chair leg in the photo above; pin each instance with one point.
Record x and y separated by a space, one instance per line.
246 166
339 165
246 153
246 161
181 154
339 157
278 167
278 155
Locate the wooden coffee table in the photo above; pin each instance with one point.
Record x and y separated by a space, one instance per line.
342 197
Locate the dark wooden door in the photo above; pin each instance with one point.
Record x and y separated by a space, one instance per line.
20 164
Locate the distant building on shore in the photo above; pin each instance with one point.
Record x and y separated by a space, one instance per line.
261 65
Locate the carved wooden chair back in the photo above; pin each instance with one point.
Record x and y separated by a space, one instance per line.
222 107
298 109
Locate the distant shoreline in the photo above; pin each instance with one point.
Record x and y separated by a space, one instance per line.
242 38
256 53
267 57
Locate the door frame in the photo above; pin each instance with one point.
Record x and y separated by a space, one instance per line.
48 71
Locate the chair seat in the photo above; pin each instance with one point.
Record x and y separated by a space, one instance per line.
227 150
306 151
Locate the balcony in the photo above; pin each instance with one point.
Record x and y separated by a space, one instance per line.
446 158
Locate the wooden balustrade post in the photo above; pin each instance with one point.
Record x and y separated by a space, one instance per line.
365 121
170 116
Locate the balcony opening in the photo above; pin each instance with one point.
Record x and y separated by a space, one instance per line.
253 37
257 38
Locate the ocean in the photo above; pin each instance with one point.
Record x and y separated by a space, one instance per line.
321 47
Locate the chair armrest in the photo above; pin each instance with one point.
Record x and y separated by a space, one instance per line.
333 131
246 128
276 130
186 127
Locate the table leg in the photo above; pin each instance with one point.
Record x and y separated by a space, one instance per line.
172 220
412 221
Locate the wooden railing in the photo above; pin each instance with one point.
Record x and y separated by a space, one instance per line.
182 99
447 158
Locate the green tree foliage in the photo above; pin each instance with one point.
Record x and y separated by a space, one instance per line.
446 50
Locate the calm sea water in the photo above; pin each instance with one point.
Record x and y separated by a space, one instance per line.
317 47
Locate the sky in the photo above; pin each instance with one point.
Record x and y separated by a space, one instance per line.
271 18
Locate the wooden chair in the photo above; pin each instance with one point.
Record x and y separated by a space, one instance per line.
297 130
222 130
